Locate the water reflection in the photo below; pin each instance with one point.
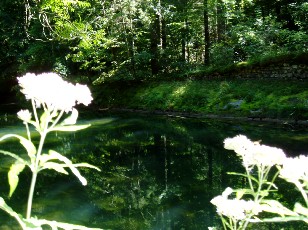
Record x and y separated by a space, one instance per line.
157 172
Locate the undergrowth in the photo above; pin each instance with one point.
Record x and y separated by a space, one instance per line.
266 98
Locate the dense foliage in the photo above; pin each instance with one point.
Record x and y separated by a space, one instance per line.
254 99
142 39
127 42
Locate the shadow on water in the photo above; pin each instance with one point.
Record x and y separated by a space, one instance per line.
157 172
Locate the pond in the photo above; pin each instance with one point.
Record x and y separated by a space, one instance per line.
157 172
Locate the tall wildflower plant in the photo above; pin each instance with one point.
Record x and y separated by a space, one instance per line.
263 164
53 109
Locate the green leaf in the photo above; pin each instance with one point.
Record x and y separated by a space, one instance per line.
280 219
46 163
68 163
86 165
241 192
70 128
15 157
10 211
55 166
72 119
44 119
56 225
300 209
28 145
264 193
271 184
13 178
275 206
244 175
35 124
45 158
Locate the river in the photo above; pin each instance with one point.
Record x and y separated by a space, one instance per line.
157 172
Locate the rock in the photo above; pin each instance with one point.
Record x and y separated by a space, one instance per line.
234 104
256 114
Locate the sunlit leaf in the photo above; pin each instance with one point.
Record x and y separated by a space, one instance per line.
86 165
35 124
44 119
45 163
244 175
28 145
54 113
280 219
44 158
300 209
70 128
56 225
72 119
13 178
10 211
241 192
271 184
18 158
70 165
263 193
55 166
275 206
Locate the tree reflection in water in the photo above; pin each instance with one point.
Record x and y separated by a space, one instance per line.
157 172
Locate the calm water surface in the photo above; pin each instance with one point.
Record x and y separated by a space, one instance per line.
157 172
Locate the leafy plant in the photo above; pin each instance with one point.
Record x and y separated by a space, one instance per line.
247 203
54 97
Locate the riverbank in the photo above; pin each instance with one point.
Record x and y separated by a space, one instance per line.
301 124
255 100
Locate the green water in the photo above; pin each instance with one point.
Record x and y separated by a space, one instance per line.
157 172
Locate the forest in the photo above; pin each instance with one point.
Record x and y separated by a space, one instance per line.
114 46
153 56
97 41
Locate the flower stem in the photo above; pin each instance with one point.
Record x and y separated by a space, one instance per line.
30 197
28 131
34 111
35 169
249 180
302 191
256 194
56 120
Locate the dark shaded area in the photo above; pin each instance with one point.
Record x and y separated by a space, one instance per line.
7 91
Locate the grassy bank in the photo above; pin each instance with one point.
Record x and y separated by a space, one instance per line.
248 98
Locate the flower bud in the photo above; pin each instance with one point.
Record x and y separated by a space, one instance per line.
24 115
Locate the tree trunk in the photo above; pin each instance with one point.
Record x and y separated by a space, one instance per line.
155 39
221 21
183 41
206 33
163 34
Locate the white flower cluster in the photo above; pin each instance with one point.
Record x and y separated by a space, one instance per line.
252 153
295 170
50 90
235 209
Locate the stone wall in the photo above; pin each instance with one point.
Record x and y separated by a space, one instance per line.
279 71
284 71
